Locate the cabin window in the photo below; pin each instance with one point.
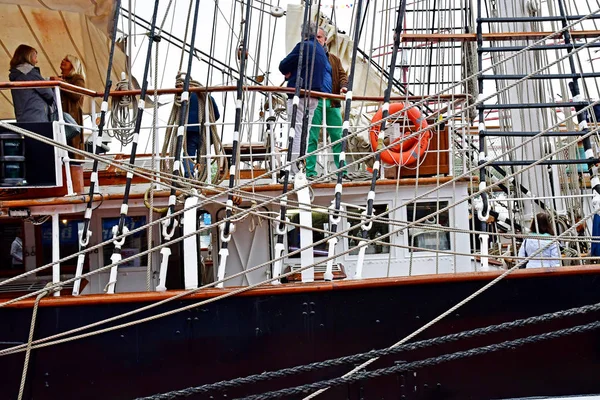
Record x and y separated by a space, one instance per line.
380 227
134 243
424 236
68 231
320 220
9 262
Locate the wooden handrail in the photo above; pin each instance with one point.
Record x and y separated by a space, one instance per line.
289 288
213 89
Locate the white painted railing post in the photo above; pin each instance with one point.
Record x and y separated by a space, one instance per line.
62 138
55 251
306 233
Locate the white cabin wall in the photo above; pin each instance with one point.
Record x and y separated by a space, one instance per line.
398 261
129 279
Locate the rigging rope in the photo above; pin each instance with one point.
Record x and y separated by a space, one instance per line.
334 216
169 149
49 141
359 357
120 227
44 293
86 233
507 345
240 290
228 227
92 156
561 149
121 120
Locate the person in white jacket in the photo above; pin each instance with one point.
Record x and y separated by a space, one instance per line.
542 234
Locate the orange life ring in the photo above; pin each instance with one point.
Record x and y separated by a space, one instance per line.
411 150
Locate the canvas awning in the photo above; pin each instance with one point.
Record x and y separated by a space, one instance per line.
57 28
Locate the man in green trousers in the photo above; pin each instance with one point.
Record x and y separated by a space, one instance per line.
335 80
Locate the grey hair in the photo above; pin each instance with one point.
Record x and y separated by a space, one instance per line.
324 31
308 30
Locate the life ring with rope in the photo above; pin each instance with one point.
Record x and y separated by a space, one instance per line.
409 151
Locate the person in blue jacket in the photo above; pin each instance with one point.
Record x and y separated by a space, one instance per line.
192 136
314 62
31 105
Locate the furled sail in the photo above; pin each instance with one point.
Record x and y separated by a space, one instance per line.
57 28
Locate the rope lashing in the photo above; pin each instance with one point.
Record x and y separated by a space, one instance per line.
121 120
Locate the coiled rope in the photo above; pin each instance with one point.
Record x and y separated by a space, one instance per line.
168 150
121 120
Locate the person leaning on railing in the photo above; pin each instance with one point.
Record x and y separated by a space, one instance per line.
72 72
313 64
335 80
31 105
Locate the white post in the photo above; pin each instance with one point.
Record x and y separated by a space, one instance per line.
55 251
306 234
272 139
78 272
223 254
361 259
95 144
115 258
334 222
207 125
165 252
485 265
190 244
62 138
94 127
278 265
325 152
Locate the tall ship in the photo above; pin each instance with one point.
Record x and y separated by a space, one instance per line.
330 199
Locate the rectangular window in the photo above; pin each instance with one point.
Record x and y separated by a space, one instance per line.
380 227
134 244
68 229
12 248
424 235
320 220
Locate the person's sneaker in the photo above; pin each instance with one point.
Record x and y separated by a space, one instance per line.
313 177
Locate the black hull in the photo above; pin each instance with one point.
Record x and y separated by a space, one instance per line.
239 336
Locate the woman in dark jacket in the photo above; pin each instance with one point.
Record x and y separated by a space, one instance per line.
71 70
31 105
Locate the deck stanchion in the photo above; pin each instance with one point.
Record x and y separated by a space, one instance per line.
120 227
85 234
334 214
377 164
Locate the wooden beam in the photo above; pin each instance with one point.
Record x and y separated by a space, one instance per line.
299 288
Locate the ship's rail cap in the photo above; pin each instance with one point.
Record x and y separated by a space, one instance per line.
213 89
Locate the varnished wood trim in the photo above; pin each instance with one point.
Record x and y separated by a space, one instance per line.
213 89
78 199
284 289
